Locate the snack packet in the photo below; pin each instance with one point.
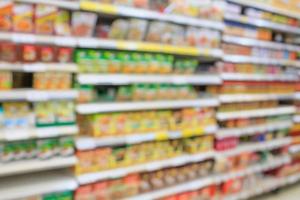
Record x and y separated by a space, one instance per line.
83 24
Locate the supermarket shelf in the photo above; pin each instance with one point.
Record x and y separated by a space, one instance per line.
237 132
273 163
151 166
35 184
296 118
36 95
261 23
110 44
231 98
67 4
92 143
99 79
22 167
258 77
39 67
267 7
295 148
45 132
268 186
258 60
283 110
148 14
258 146
91 108
202 182
259 43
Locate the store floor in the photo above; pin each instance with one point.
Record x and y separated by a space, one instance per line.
287 193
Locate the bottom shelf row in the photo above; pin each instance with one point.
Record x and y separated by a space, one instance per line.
236 184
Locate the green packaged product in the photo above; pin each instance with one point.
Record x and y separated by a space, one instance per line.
66 145
124 93
8 152
64 112
46 148
83 60
114 64
127 66
93 60
44 114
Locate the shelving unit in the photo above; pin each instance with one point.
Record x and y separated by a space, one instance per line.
94 107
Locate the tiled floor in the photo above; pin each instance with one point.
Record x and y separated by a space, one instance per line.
287 193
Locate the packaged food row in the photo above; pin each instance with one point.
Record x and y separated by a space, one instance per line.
210 9
121 156
246 122
247 106
258 87
260 14
234 142
242 30
108 61
36 149
137 92
159 32
12 52
67 195
17 115
242 68
47 19
145 182
258 52
38 80
118 124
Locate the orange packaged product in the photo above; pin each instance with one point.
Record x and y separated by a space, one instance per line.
23 15
45 16
100 190
6 12
84 193
102 158
132 181
85 162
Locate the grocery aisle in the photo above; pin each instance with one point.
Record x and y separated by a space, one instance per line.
148 99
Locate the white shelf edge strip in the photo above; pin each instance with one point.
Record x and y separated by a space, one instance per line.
236 132
229 98
92 143
261 23
37 95
267 7
258 60
105 43
259 43
283 110
151 166
67 4
294 148
45 132
258 146
19 167
39 67
98 79
258 77
296 118
206 181
131 106
36 184
297 95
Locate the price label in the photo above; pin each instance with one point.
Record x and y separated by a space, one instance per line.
192 132
128 45
161 136
100 7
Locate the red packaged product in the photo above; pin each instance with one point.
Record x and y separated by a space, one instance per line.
6 8
29 53
100 190
64 54
84 193
47 54
8 52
